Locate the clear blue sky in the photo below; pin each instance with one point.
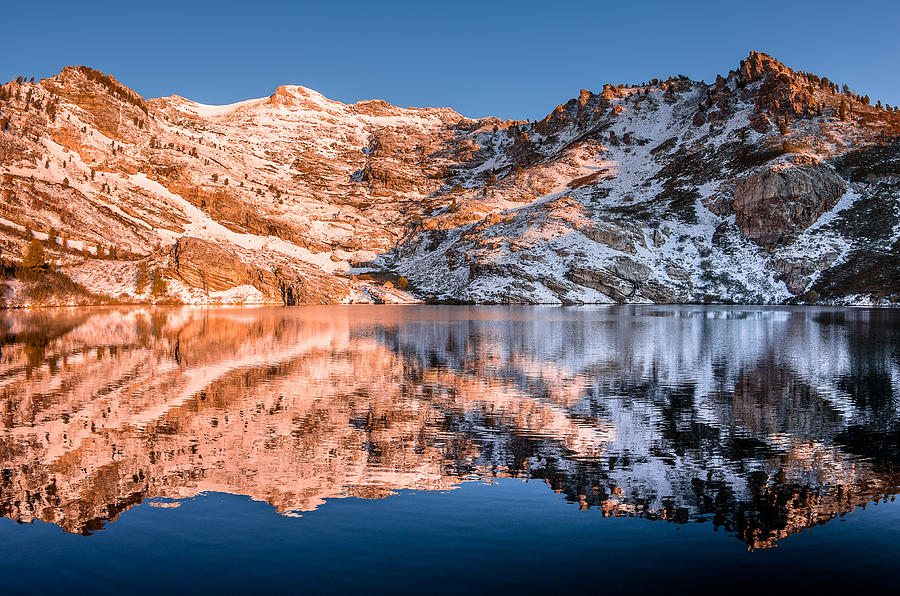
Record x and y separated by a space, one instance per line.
509 59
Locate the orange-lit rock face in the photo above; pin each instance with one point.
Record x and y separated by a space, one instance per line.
758 188
665 414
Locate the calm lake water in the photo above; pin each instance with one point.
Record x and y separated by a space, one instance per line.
447 450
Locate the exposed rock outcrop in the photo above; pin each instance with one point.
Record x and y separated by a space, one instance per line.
781 91
211 267
620 281
774 205
207 265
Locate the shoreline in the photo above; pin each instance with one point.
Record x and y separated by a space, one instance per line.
199 305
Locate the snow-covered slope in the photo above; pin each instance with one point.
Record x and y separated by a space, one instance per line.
769 185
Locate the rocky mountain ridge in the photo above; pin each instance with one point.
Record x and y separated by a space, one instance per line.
767 186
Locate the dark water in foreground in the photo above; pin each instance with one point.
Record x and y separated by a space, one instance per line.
449 450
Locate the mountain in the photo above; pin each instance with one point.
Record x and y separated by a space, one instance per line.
768 186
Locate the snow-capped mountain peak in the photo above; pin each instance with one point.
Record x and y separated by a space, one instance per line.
768 185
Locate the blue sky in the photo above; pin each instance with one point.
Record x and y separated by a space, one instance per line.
508 59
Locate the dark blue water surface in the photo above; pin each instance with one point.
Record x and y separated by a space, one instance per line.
445 450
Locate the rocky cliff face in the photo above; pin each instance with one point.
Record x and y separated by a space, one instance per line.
774 205
759 187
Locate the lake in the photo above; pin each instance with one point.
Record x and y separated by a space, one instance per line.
446 450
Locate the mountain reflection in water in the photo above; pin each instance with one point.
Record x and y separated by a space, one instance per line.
759 421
